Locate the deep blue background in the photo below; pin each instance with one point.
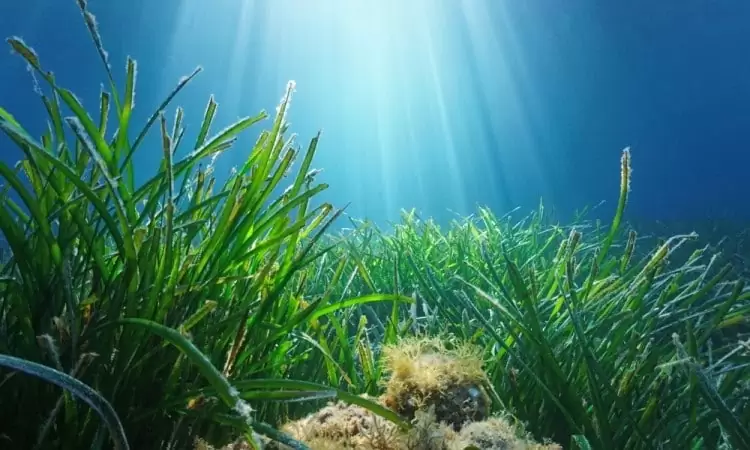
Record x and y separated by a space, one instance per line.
671 79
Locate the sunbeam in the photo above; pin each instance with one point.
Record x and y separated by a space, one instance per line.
417 100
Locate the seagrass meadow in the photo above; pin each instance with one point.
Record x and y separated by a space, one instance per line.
155 315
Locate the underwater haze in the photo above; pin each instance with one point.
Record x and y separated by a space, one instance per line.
407 225
440 105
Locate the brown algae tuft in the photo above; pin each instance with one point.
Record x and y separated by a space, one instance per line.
425 374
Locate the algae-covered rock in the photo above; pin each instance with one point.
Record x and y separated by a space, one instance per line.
439 390
494 434
425 374
342 426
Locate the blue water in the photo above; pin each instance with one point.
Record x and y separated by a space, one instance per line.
439 105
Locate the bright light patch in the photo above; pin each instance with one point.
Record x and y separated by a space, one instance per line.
391 83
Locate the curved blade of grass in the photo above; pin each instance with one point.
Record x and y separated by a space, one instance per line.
298 385
225 390
371 298
93 29
120 207
580 441
160 109
76 387
622 201
288 396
